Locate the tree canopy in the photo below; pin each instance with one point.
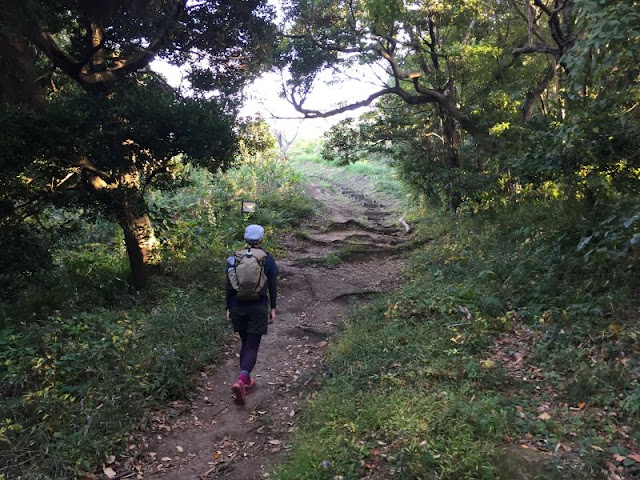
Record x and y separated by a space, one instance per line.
87 124
538 90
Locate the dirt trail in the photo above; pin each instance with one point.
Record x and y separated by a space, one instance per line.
211 437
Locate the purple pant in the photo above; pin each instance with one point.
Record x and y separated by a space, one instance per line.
249 350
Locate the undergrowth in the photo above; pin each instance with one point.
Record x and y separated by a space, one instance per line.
83 358
515 328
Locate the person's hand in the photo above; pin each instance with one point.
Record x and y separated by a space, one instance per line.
228 316
272 315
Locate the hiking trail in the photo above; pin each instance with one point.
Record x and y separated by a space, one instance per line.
211 437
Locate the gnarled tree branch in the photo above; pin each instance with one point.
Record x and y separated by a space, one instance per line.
91 78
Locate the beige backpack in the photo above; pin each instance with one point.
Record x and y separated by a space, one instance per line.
247 275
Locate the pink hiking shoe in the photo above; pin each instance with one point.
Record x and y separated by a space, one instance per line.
249 385
239 392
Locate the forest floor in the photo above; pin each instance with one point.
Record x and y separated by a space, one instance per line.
323 275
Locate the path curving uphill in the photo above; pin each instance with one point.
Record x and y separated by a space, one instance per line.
346 253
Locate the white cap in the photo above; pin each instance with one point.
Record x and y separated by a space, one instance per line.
253 233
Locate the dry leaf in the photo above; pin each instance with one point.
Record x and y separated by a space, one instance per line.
544 416
615 328
180 449
619 458
110 459
634 456
109 472
166 459
274 442
487 364
595 447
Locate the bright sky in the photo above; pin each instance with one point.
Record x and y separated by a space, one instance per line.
263 98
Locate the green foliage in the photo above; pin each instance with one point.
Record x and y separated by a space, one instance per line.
168 131
306 151
255 138
82 358
569 118
604 60
396 398
102 127
342 144
411 387
85 379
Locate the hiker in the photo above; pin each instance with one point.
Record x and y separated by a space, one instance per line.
251 275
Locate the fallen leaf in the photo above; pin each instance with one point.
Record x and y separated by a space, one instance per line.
619 458
488 364
595 447
166 459
544 416
634 456
110 459
274 442
180 449
109 472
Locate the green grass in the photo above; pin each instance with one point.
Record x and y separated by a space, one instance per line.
307 151
74 387
372 177
381 174
411 389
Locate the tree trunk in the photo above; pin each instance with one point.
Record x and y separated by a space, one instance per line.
19 82
139 236
124 196
451 137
